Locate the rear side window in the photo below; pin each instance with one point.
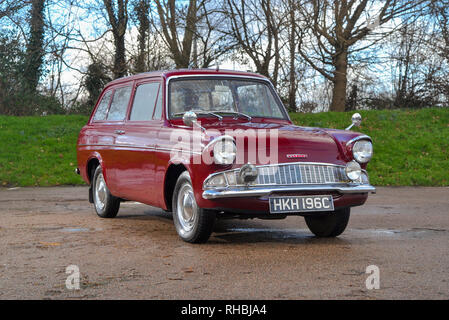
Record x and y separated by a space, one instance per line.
144 101
102 109
119 104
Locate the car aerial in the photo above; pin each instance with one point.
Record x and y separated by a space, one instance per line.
210 144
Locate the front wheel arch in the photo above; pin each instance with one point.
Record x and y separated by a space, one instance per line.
171 177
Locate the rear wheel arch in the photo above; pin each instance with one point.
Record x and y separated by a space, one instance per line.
92 164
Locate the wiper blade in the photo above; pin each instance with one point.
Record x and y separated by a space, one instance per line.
208 112
200 112
235 112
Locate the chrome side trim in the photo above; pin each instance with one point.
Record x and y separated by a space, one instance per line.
139 147
364 137
239 192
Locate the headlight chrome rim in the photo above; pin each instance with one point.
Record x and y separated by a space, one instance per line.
362 151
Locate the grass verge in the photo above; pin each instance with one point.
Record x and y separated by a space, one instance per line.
39 151
411 147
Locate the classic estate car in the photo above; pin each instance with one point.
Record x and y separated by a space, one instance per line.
208 144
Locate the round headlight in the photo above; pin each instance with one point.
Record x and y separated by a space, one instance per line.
225 151
362 151
353 171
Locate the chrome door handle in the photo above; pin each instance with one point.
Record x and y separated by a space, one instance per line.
119 131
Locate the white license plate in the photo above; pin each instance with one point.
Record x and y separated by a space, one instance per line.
301 204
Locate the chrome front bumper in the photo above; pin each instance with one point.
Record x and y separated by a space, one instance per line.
256 191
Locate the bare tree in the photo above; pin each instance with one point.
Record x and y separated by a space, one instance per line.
117 12
141 10
293 86
35 46
9 7
440 43
256 27
336 30
169 15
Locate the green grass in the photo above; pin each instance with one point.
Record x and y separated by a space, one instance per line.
39 151
410 147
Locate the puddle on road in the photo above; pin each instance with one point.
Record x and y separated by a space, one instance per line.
75 230
280 233
414 232
66 229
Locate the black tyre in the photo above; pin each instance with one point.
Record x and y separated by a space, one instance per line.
330 224
192 223
106 205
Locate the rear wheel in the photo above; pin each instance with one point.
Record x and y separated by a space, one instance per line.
328 225
192 223
106 205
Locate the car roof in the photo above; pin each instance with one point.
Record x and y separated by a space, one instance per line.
185 72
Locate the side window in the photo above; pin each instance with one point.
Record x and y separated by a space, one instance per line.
119 104
102 109
144 101
158 110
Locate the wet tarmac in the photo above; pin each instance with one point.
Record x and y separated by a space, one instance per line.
138 255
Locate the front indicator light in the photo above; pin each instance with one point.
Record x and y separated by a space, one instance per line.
218 180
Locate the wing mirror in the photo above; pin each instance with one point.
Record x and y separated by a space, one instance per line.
190 119
356 121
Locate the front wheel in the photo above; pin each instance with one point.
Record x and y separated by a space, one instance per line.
330 224
192 223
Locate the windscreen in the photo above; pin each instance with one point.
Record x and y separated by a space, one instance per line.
250 97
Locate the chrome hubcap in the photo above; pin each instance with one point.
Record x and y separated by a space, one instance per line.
186 208
100 192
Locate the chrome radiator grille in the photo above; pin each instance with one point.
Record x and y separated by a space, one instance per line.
300 173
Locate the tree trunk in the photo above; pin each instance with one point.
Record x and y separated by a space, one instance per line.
118 20
119 59
144 25
292 47
35 50
340 81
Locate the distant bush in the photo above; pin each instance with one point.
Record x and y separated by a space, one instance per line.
15 99
81 109
28 104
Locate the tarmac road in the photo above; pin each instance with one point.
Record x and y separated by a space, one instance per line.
138 255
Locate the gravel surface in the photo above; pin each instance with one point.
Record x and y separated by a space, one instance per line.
138 255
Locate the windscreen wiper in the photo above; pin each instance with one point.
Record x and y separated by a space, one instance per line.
235 112
200 112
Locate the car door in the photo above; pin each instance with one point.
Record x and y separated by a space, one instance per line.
137 143
114 125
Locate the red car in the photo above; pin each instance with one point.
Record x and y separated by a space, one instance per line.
208 144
